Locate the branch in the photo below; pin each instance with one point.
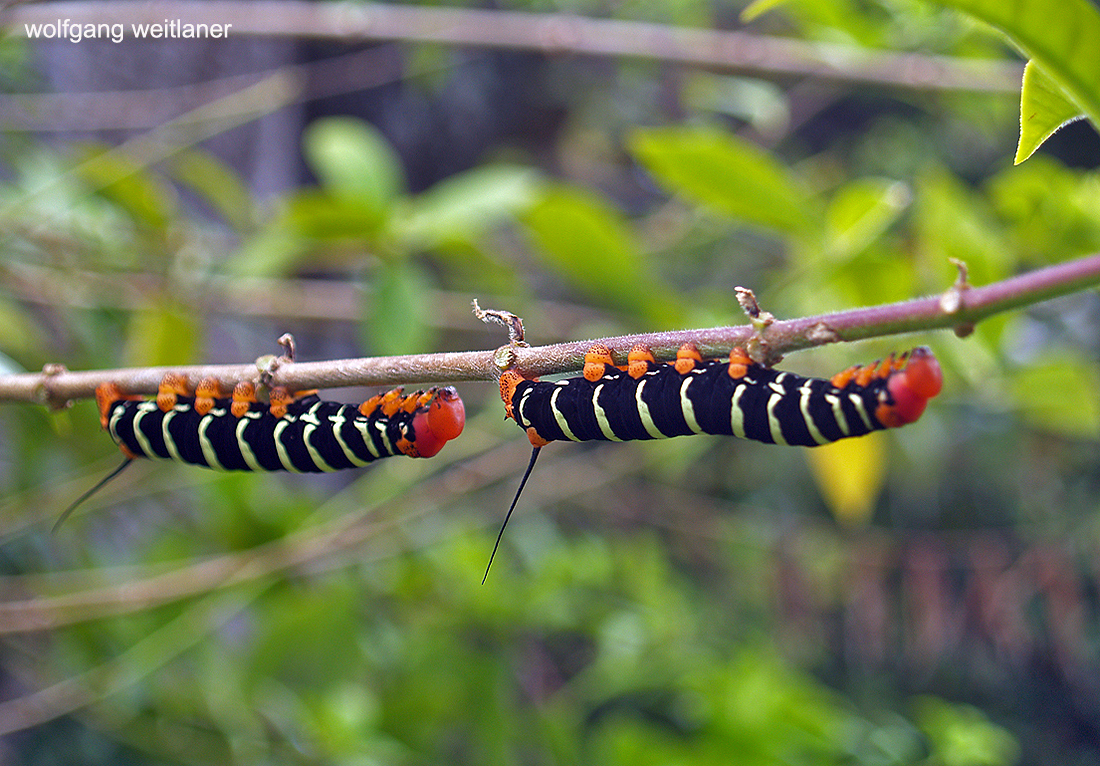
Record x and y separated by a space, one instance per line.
551 33
959 308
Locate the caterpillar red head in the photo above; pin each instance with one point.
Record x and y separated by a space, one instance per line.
918 380
437 417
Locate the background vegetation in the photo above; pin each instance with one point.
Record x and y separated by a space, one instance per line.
927 596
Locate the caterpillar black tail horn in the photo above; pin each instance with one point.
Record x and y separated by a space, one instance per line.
69 511
512 507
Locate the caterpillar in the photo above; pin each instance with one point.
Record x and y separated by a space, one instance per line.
734 397
293 432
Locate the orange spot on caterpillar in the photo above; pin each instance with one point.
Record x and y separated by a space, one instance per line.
864 375
206 392
883 371
392 401
411 403
535 439
106 394
596 361
638 361
244 396
739 363
370 405
687 357
843 378
279 400
172 386
509 380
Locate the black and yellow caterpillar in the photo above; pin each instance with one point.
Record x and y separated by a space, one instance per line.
297 432
293 432
734 397
647 400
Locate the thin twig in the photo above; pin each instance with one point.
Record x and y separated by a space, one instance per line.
292 298
56 386
148 108
506 319
323 542
552 33
142 658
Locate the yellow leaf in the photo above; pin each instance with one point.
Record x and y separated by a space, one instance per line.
850 474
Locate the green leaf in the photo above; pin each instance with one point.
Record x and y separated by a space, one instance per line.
953 221
313 223
21 333
724 172
130 185
395 312
464 206
1062 38
593 246
216 184
353 159
1044 109
758 8
320 216
1049 211
1060 397
272 252
961 735
860 212
9 366
586 240
307 637
162 336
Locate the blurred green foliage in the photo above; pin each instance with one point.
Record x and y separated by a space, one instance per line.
690 602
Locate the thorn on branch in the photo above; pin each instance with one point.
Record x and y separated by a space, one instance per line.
951 302
286 340
45 392
506 319
268 364
757 347
822 333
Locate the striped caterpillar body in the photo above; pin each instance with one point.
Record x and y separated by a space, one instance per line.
647 400
293 432
734 397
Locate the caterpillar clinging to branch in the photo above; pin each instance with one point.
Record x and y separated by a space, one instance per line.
293 432
734 397
300 433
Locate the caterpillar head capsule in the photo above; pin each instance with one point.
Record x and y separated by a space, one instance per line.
911 386
437 423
